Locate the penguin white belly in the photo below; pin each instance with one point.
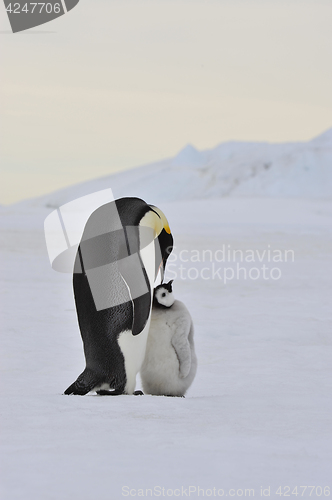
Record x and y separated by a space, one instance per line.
148 258
133 348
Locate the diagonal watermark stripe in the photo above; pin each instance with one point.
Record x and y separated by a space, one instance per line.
24 15
86 237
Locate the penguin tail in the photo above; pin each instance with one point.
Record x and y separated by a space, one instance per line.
84 383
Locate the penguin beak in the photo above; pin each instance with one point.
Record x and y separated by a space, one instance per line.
165 240
166 227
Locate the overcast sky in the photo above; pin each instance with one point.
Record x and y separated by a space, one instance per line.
117 84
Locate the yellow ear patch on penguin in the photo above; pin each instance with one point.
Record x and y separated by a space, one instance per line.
162 216
151 219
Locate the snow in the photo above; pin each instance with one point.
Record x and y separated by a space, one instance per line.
239 169
188 156
259 411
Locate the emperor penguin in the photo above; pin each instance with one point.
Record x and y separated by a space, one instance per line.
170 362
124 245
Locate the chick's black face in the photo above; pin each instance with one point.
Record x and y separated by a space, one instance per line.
163 296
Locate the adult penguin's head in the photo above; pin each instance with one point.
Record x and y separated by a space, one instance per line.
165 239
156 218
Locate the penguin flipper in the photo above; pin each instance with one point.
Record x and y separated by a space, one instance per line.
84 383
141 312
181 345
137 283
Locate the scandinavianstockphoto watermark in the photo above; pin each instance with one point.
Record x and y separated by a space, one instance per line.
197 491
74 249
227 263
185 491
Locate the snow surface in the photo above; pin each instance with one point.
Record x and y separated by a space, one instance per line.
259 411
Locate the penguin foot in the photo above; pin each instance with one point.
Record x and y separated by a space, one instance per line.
138 393
72 390
173 396
103 392
84 383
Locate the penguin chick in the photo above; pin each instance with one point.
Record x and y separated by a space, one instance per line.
170 363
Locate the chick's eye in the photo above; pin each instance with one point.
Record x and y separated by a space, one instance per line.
163 294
